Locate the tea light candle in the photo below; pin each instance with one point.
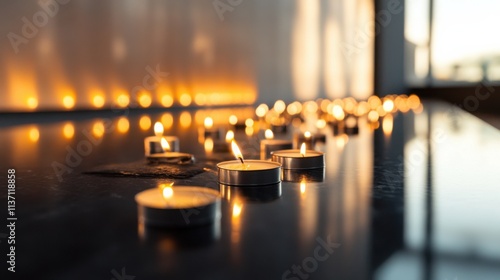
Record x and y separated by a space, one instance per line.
248 172
299 159
184 206
209 130
269 145
152 144
170 157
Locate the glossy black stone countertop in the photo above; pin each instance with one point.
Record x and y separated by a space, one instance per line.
417 198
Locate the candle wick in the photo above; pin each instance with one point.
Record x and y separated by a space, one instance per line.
241 159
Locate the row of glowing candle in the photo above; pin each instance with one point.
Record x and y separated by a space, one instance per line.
145 100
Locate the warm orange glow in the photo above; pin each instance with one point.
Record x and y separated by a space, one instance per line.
419 109
279 106
208 122
388 105
229 136
373 116
68 101
233 119
261 110
185 119
123 125
269 134
338 112
413 101
200 99
387 124
32 102
98 101
307 134
168 192
310 107
236 150
321 123
98 129
122 100
164 145
303 149
208 145
185 99
249 131
68 130
350 122
167 101
249 122
167 120
294 108
374 101
158 129
145 99
145 122
363 108
341 141
237 208
34 134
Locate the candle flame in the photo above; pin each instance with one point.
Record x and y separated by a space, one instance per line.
164 145
269 134
307 134
158 128
229 136
209 122
166 190
236 151
303 149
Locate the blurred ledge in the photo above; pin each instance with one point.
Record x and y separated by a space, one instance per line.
481 98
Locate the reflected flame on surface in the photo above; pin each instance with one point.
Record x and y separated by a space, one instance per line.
208 145
387 124
303 187
98 129
167 120
237 208
68 131
145 123
185 119
123 125
34 134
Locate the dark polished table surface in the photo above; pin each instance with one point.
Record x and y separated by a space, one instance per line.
417 198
